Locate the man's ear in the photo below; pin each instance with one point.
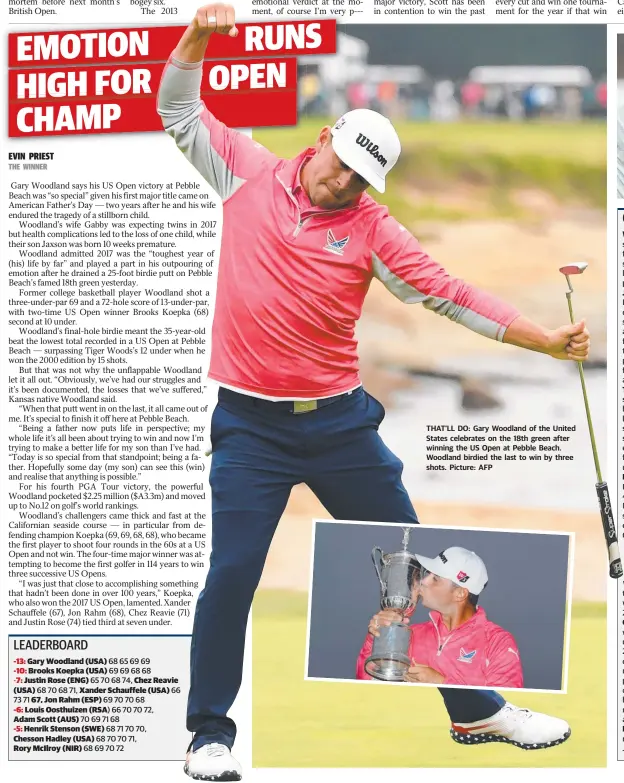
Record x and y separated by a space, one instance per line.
461 594
324 138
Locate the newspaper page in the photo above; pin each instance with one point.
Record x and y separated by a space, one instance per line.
311 391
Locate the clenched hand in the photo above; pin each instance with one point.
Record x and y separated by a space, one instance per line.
216 18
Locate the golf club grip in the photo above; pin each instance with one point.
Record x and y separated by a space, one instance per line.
610 531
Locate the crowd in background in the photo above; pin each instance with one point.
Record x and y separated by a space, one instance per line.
335 84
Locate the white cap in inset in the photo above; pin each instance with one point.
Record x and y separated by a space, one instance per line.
368 143
461 566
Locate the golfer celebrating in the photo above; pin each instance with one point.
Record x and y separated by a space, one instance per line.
302 241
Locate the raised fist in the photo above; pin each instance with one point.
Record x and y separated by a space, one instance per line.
216 18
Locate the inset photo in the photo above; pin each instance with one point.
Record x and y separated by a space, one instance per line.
442 606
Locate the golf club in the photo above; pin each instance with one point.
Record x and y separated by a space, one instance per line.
602 490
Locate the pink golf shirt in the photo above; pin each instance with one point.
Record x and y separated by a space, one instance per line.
292 277
478 652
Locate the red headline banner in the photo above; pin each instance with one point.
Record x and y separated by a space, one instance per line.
51 118
93 83
243 93
76 47
106 81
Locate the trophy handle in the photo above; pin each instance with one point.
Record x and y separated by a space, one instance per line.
378 555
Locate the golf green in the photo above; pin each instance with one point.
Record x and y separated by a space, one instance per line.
329 724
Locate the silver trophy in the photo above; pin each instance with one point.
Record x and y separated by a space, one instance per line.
389 659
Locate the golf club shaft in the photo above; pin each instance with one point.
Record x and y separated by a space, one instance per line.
602 490
586 399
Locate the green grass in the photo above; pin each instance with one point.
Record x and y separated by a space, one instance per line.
318 724
493 159
584 142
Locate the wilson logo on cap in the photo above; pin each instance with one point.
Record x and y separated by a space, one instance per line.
371 148
462 577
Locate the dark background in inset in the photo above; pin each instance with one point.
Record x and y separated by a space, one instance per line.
526 593
620 56
450 50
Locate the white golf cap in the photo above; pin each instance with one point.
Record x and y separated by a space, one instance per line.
461 566
368 143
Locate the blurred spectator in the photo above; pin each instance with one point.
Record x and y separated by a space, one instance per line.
514 109
357 95
545 98
444 106
472 95
571 103
310 97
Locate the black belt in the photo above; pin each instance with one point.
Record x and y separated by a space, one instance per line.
285 406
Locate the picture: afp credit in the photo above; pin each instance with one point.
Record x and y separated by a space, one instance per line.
482 446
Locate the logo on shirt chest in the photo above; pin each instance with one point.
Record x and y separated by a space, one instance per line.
466 657
334 245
